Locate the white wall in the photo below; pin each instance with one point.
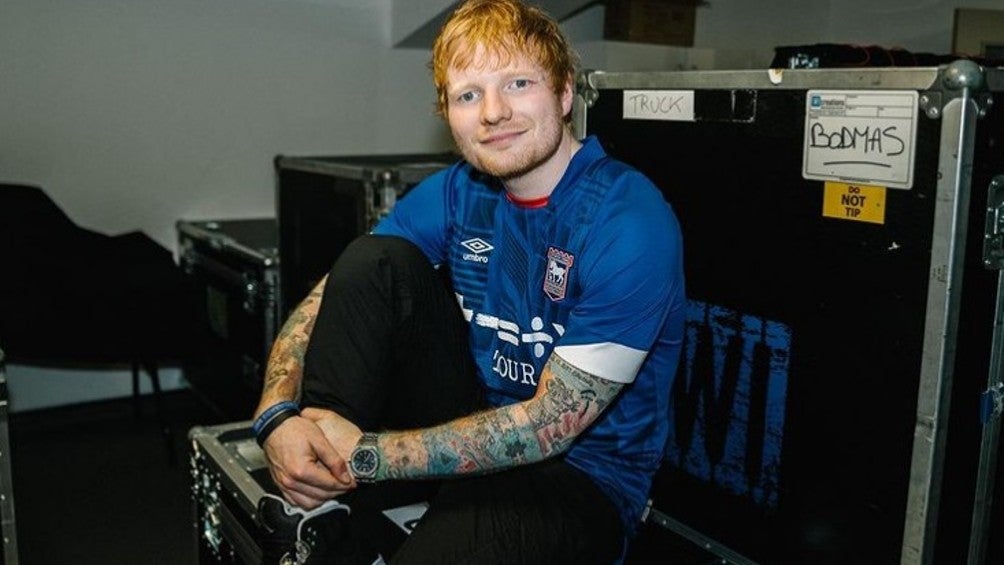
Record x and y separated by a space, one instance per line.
133 114
31 388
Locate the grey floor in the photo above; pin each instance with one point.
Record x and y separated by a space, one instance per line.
94 484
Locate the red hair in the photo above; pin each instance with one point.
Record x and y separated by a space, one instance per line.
505 29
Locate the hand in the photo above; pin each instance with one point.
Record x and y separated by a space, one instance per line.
305 467
342 434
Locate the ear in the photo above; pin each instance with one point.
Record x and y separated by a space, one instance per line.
567 95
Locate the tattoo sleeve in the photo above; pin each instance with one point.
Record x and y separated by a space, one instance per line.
568 400
284 370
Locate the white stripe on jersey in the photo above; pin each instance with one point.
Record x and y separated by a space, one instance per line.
610 361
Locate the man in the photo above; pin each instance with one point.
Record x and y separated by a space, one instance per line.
541 406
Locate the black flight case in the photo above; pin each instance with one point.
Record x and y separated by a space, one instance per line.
839 394
324 202
235 264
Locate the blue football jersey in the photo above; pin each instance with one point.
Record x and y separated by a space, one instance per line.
594 274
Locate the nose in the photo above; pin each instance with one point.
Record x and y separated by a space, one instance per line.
495 108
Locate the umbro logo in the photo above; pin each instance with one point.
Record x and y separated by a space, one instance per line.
478 249
477 245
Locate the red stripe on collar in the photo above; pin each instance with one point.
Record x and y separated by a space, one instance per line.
527 203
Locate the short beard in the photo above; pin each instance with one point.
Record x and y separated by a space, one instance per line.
512 168
515 166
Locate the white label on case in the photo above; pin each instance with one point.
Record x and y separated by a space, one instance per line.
670 105
860 136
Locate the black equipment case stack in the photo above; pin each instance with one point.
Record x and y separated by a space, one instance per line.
324 202
235 265
839 395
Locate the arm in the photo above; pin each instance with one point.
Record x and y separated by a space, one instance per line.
304 466
284 370
568 400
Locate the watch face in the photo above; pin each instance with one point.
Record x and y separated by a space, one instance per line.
364 462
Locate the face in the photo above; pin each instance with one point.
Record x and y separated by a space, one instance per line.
506 119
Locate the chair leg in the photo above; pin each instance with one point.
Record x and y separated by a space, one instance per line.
158 399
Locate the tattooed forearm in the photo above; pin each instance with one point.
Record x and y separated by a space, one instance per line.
573 400
567 402
479 443
284 371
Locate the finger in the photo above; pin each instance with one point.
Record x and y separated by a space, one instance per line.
328 457
305 502
304 465
301 489
295 493
323 469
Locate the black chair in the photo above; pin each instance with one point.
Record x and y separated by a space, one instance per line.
70 296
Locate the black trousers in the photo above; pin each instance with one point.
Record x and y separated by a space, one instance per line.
389 350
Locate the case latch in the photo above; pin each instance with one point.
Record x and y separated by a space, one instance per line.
993 239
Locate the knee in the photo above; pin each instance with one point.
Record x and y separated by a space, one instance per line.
381 255
379 248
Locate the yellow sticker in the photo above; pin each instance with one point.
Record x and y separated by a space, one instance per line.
858 202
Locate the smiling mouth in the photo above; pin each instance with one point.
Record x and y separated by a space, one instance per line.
500 137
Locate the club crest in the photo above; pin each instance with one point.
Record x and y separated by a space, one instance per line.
559 263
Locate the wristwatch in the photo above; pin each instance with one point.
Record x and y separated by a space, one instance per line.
365 459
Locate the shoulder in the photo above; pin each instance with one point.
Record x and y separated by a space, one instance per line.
631 201
613 180
458 180
447 188
632 225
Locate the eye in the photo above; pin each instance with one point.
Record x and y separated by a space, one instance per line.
467 97
520 84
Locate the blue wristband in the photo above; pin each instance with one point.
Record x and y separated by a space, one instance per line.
273 411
